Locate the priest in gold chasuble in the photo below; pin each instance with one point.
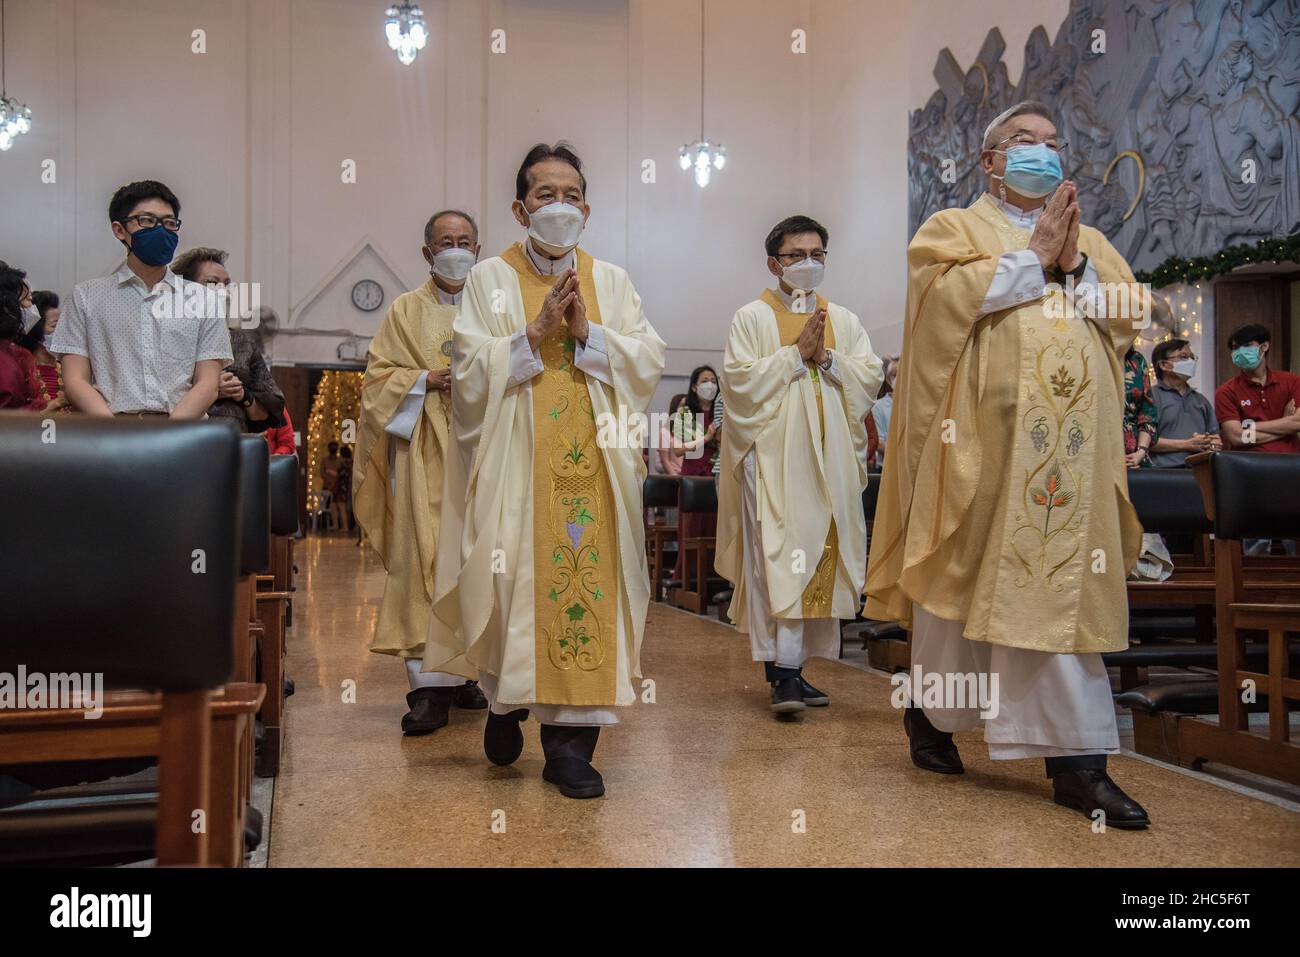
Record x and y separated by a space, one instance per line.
1004 535
401 448
798 380
541 586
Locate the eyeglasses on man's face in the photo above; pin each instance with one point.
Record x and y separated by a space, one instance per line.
789 259
1054 143
149 221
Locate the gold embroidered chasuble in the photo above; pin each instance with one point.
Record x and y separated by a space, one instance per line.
808 439
1004 499
575 545
817 595
399 509
541 569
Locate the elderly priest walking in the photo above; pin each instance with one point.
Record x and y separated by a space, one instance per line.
1004 533
798 380
397 482
541 581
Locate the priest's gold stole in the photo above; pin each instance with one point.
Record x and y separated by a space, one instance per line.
575 536
819 592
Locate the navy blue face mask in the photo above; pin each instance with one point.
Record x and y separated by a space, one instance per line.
154 246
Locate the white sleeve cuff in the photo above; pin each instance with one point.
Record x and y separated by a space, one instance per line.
799 368
1017 280
524 362
402 424
592 358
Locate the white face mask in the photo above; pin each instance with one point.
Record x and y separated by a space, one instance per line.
31 316
806 275
452 265
556 227
708 391
1185 368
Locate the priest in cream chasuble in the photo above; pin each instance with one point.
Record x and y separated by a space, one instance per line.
798 381
542 585
1004 535
401 447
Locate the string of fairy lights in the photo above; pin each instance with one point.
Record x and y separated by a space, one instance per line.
337 401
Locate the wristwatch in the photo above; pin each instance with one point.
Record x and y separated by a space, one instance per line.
825 366
1059 274
247 400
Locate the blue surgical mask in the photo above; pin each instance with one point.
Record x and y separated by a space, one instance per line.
155 246
1246 357
1033 171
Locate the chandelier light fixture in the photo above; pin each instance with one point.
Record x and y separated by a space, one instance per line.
702 155
15 118
405 31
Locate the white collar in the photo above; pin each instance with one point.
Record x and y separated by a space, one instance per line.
447 298
1020 218
549 267
809 300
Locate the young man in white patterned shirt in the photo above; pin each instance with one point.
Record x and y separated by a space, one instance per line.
125 351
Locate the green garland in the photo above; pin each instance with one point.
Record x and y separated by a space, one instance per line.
1175 270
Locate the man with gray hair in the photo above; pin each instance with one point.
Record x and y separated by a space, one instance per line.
398 471
1003 533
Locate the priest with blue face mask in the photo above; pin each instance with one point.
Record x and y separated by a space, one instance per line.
1003 534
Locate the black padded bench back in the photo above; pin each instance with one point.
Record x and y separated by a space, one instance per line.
1168 501
698 494
1256 495
284 494
119 549
255 513
659 491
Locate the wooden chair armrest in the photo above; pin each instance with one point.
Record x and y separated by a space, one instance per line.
272 596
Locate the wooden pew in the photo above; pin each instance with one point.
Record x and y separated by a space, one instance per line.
139 515
698 495
271 605
1247 495
658 491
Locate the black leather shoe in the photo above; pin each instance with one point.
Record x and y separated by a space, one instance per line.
503 739
288 687
811 696
429 710
787 696
569 749
1089 789
932 749
470 697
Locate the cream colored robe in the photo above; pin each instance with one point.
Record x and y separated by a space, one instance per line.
484 607
400 512
804 479
987 408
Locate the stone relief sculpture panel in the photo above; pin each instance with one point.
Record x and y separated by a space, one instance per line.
1182 119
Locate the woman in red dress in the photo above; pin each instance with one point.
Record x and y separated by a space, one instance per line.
20 386
698 422
47 364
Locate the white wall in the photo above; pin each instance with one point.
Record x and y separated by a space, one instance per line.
252 133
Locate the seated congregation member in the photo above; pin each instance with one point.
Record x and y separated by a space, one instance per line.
882 408
696 429
998 491
1185 420
47 364
123 351
798 379
20 385
403 442
542 586
1268 398
1258 409
280 438
1139 410
247 393
668 452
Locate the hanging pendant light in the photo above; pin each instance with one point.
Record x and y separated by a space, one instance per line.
15 117
405 31
702 155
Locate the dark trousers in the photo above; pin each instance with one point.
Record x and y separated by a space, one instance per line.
1077 762
775 672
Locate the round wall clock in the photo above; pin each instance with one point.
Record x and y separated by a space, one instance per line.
367 295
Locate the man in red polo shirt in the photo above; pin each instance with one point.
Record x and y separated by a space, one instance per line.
1267 399
1257 409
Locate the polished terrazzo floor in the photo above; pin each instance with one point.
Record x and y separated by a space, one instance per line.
704 776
